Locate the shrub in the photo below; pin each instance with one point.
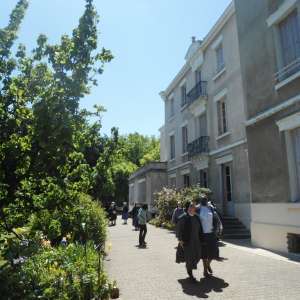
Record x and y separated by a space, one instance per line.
168 225
83 220
166 201
155 222
72 272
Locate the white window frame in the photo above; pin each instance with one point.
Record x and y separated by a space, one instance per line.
274 21
287 125
222 96
184 145
170 147
183 94
282 12
202 171
221 129
172 107
197 72
219 66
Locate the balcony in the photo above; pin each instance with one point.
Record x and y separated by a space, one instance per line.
199 90
198 146
288 71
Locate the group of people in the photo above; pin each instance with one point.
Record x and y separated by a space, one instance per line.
139 216
197 227
113 214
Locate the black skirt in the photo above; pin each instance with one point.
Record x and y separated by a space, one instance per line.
210 248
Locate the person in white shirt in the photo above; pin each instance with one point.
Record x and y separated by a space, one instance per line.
211 223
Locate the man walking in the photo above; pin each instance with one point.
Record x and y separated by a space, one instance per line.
177 213
142 219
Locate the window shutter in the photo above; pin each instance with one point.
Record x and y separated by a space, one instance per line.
290 38
224 117
219 118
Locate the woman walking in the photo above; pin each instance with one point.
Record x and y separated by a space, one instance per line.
134 213
189 233
125 213
210 225
112 214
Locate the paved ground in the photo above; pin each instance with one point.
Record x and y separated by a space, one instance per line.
152 273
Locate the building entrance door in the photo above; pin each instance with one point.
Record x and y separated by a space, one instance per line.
296 134
228 203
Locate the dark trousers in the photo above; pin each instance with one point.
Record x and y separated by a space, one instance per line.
143 232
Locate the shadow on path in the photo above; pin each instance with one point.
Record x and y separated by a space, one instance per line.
204 287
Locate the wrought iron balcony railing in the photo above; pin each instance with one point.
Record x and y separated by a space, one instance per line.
199 90
288 71
198 146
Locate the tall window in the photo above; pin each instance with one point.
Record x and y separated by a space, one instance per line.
296 142
172 107
172 147
198 76
289 30
184 139
186 180
201 124
183 95
227 182
220 58
204 178
222 116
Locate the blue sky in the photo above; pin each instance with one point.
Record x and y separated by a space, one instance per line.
148 38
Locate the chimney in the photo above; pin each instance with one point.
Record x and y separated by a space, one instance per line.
193 39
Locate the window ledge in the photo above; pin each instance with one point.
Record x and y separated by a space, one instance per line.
287 81
282 11
184 154
219 74
171 118
172 160
222 136
183 107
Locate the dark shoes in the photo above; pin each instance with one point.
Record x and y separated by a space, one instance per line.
209 269
206 274
191 276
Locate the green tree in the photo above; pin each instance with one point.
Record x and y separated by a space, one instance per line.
40 118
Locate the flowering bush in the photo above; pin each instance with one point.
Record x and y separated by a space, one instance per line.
166 201
72 272
57 256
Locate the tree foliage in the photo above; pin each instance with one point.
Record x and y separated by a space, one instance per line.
48 149
54 163
51 156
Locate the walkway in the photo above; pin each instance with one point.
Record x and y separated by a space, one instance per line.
152 274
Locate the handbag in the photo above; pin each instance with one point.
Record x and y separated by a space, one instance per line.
180 254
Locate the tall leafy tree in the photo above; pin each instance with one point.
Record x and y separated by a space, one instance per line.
42 155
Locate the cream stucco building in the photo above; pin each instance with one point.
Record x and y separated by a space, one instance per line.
269 38
204 132
232 121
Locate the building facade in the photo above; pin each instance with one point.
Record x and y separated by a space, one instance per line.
145 182
204 137
269 41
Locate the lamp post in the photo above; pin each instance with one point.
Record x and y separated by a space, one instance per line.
85 239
